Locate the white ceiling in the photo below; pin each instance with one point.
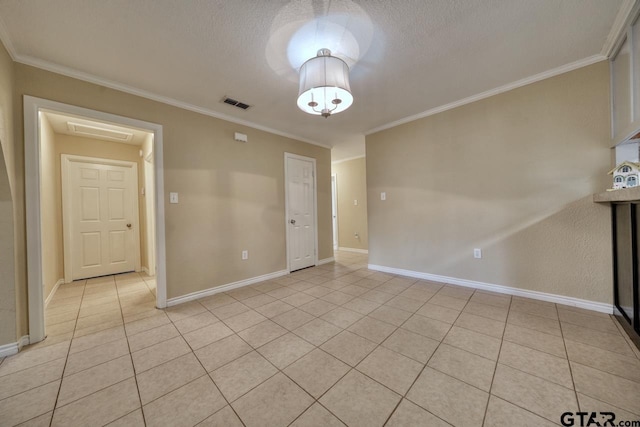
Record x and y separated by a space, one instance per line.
409 56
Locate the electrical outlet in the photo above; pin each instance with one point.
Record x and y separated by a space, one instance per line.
245 254
383 196
173 197
477 253
355 203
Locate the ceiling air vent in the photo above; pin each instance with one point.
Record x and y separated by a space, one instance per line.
235 103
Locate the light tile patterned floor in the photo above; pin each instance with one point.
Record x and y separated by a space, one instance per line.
328 346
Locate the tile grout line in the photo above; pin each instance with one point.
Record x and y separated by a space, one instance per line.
495 368
312 397
332 290
282 370
564 344
636 350
426 364
533 375
351 368
575 392
53 411
569 361
135 376
207 373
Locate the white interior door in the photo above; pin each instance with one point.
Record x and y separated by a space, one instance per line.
301 211
100 215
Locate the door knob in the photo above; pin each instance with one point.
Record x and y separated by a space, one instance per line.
293 221
128 225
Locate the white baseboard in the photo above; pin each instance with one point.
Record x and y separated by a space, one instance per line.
13 348
146 270
542 296
53 291
358 251
8 349
325 261
24 340
223 288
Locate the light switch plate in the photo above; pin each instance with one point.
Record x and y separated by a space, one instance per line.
173 197
355 202
383 196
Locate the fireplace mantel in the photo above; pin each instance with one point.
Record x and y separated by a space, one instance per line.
614 196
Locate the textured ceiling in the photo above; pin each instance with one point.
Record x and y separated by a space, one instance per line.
408 56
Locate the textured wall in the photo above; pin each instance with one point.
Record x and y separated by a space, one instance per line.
512 174
231 194
7 206
351 179
50 215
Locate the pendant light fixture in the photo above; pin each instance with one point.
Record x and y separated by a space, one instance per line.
324 85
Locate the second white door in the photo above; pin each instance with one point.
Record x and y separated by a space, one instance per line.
100 215
301 211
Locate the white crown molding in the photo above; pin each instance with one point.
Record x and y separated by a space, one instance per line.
348 159
628 10
358 251
69 72
625 13
505 88
224 288
541 296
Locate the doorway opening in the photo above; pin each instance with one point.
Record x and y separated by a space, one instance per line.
94 199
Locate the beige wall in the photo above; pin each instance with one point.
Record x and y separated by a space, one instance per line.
231 194
50 216
8 314
512 174
351 183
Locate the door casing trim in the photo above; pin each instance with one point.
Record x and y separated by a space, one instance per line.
31 107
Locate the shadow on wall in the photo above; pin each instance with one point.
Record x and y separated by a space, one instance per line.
7 272
546 249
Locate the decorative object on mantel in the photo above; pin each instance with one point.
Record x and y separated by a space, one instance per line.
625 175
